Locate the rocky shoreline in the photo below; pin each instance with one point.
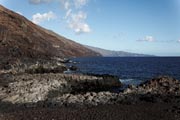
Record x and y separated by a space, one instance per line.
45 86
60 89
28 88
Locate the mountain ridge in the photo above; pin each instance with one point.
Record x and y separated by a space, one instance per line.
111 53
21 38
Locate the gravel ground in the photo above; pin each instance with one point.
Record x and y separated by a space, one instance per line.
140 111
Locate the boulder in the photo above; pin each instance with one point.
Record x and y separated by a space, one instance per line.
73 68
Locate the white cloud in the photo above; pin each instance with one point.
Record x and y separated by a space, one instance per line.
77 23
80 3
147 39
68 13
38 18
66 4
179 40
19 13
76 20
39 1
74 16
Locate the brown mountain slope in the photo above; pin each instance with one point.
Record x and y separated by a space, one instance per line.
21 38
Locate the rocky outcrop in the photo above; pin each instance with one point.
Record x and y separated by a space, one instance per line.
53 90
27 88
159 85
32 66
46 68
89 98
106 83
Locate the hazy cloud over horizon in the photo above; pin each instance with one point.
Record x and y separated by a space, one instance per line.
147 39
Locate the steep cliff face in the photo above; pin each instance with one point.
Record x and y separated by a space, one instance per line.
21 38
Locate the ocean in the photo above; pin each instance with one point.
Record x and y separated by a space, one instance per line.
130 70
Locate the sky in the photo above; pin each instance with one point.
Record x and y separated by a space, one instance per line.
139 26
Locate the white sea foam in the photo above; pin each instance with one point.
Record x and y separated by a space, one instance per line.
130 81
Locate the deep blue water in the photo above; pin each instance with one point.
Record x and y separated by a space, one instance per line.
131 70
